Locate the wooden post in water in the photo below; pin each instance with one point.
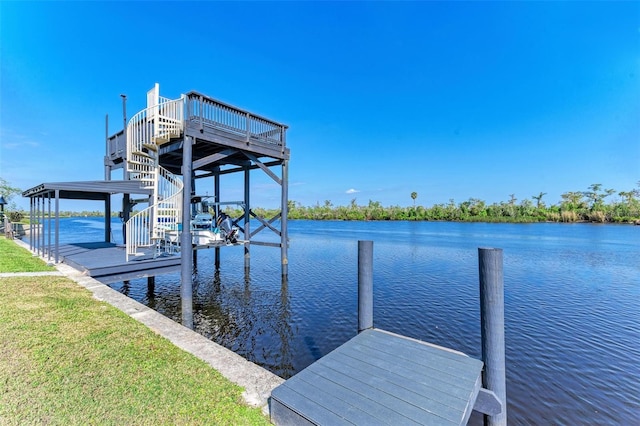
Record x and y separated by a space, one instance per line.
57 224
186 264
247 217
492 328
151 289
216 209
365 285
284 214
195 260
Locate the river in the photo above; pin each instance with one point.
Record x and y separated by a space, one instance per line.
572 303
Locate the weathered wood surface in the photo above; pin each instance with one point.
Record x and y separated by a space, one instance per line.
380 378
107 262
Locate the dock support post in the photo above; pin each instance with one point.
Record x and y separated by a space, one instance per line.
107 168
151 285
195 259
126 198
126 213
49 226
57 207
247 229
490 263
30 223
216 193
284 212
186 264
107 218
365 285
41 227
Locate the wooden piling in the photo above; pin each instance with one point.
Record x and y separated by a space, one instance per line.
490 263
284 209
216 212
195 260
186 278
365 285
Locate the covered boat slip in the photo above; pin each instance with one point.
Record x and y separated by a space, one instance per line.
102 260
41 197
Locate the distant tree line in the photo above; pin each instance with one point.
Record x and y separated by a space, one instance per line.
591 206
596 204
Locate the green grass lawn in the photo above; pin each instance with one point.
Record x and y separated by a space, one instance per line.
14 258
66 358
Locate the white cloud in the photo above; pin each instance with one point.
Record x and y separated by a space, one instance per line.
352 191
12 140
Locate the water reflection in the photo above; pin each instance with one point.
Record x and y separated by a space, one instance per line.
236 310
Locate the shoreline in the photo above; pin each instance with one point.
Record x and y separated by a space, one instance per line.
256 381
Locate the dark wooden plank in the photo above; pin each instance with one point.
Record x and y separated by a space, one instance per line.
459 379
123 268
308 408
380 413
383 336
394 379
397 398
284 416
384 339
237 141
327 394
420 384
417 352
107 262
417 373
108 279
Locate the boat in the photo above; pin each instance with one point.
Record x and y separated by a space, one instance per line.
205 233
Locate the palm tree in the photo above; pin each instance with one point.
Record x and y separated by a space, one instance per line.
538 199
414 195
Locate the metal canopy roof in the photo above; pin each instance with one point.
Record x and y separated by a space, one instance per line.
87 190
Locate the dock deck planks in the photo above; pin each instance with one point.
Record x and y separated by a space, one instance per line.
107 263
381 378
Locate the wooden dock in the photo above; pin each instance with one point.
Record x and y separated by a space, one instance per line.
381 378
107 263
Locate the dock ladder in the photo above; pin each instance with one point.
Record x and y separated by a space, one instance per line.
159 123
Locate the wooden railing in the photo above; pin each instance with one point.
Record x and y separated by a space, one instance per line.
218 115
148 227
155 124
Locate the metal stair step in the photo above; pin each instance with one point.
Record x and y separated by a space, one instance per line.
143 154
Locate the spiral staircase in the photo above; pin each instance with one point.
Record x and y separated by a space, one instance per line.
155 228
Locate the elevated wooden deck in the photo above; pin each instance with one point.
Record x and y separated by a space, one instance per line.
225 136
106 262
381 378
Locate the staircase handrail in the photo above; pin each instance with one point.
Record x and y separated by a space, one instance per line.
142 227
150 127
140 126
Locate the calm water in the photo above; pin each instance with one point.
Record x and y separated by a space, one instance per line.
572 295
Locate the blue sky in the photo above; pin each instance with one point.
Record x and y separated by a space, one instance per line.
451 100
